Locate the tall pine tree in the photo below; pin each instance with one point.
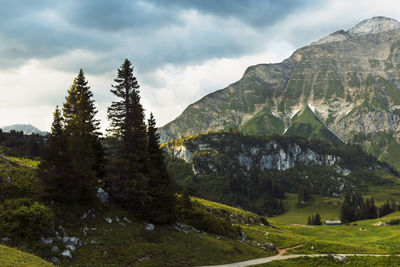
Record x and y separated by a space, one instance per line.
161 206
127 181
54 166
81 129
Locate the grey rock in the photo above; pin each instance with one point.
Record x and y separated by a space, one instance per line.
102 195
269 246
71 247
127 220
66 253
72 241
340 258
48 240
149 227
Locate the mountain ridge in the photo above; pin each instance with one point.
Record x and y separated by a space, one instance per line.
27 129
353 84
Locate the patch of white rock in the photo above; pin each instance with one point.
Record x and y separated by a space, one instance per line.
369 26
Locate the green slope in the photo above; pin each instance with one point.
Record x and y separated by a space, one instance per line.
12 257
307 125
264 122
382 145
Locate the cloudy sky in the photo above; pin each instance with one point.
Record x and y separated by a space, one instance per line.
181 49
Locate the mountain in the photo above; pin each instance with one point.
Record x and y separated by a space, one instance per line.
27 129
349 80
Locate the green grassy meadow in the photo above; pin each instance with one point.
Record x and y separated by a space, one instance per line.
10 257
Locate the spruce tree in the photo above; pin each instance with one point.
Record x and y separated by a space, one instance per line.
161 206
373 214
185 201
317 219
347 211
54 166
127 181
81 129
309 222
385 209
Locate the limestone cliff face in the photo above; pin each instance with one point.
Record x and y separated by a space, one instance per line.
350 78
225 152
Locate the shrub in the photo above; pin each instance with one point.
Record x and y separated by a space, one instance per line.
193 214
206 221
22 219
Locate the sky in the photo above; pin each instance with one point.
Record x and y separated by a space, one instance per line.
181 50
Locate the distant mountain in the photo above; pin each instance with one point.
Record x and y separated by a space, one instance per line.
345 86
25 128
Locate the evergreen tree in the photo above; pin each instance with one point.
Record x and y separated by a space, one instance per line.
303 194
185 202
127 181
372 210
393 206
385 209
281 208
54 165
82 135
317 219
347 211
161 206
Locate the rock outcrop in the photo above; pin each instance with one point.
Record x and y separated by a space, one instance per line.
224 151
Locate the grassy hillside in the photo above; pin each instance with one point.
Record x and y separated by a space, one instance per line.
12 257
307 125
264 122
382 145
109 235
328 208
331 261
367 236
125 242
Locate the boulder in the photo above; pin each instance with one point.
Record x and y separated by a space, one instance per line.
66 253
269 246
102 195
149 227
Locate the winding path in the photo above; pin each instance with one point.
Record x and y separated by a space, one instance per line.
280 257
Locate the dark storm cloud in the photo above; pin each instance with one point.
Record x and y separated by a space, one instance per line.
119 15
259 13
152 32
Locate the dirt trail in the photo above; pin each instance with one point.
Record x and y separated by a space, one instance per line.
284 250
280 256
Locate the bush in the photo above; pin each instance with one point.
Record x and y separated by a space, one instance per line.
193 214
16 181
394 222
22 219
206 221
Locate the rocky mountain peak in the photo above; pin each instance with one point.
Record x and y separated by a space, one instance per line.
374 25
369 26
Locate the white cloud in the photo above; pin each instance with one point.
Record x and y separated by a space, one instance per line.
196 59
185 85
